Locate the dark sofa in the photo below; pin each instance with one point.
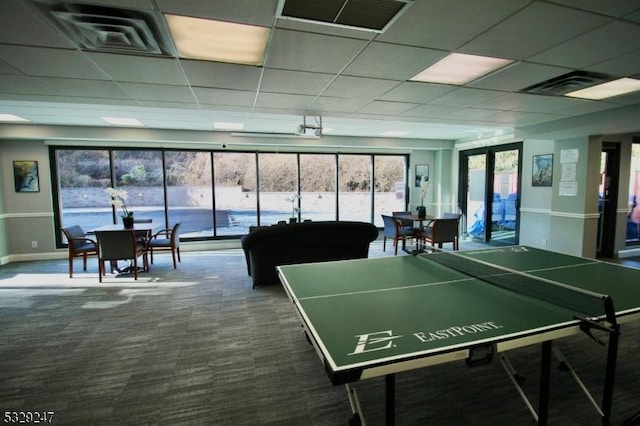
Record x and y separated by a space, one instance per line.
306 242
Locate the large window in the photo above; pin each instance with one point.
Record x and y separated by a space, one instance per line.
235 192
355 184
222 194
190 193
318 186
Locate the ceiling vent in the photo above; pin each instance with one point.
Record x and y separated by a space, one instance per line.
365 15
107 29
567 83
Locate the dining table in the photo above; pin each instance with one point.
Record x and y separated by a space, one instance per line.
143 231
418 230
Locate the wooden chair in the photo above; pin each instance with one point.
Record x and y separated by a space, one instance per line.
120 245
407 223
394 230
440 231
166 239
79 246
143 236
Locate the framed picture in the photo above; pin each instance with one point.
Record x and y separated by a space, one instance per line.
421 170
25 176
542 174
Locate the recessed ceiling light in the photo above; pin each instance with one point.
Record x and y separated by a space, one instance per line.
393 133
460 68
210 40
220 125
123 121
11 117
607 90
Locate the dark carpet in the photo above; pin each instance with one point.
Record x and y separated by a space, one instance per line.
199 346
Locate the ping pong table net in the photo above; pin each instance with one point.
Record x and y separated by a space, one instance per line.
584 303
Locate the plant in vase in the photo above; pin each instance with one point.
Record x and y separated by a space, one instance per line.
294 209
424 185
119 201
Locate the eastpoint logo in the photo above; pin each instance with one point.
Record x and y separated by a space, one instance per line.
374 342
382 340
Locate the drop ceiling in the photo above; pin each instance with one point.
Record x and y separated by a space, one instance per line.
357 81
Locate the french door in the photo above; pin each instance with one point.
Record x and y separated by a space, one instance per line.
489 195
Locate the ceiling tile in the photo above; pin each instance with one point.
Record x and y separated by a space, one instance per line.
158 92
530 103
139 69
339 105
25 85
416 92
522 35
606 42
37 61
278 100
16 15
432 111
358 87
223 97
447 24
304 83
401 62
466 97
86 88
221 75
311 52
615 8
623 66
518 76
255 12
386 108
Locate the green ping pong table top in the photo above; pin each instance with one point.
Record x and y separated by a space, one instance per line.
373 317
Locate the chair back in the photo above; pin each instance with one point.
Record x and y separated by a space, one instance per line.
390 226
175 235
404 222
117 245
444 230
71 232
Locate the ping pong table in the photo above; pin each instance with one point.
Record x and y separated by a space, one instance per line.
377 317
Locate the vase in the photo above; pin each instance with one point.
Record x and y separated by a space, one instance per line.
422 211
127 221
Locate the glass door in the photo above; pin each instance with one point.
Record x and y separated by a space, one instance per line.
490 193
474 197
506 197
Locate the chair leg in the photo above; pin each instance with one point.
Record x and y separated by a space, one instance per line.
135 266
100 270
70 266
84 262
173 255
384 243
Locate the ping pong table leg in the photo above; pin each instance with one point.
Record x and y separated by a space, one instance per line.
390 399
545 375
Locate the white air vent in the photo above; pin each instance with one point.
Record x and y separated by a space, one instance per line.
567 83
107 29
365 15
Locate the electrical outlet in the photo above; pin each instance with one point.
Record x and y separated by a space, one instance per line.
34 244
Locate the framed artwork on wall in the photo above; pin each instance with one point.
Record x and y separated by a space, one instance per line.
25 176
421 170
542 174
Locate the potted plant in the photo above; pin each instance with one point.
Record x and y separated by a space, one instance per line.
294 209
424 185
119 200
